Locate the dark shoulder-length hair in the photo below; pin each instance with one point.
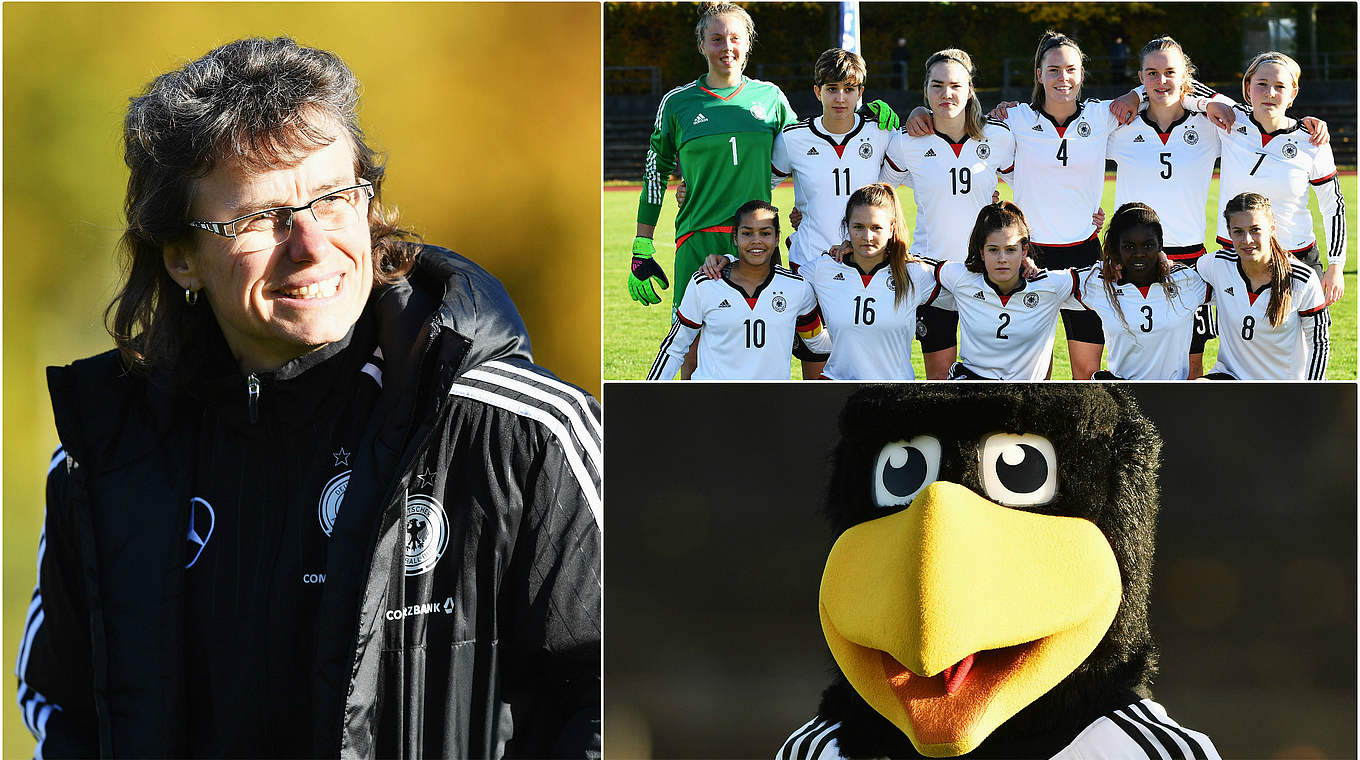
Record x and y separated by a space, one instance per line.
1126 217
990 218
260 102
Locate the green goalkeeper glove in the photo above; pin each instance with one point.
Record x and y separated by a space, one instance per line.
645 270
887 118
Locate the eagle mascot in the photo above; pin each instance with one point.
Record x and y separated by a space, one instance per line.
987 592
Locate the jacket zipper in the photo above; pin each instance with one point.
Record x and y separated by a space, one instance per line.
253 396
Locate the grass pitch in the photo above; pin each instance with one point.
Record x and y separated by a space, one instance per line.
633 333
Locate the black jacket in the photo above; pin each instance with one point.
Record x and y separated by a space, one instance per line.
460 614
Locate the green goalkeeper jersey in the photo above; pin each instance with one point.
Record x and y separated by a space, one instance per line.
722 139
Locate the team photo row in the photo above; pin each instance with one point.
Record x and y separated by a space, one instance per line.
1009 248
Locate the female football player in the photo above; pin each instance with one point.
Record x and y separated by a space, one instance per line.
1283 336
1008 321
748 315
1060 172
1166 160
870 298
1146 302
1267 152
953 171
721 127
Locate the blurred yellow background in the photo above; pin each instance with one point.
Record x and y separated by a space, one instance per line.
490 115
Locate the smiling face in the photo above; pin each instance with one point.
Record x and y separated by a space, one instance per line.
1140 254
1251 232
725 45
870 229
757 237
1060 74
1163 76
948 89
1272 89
1002 253
838 99
280 303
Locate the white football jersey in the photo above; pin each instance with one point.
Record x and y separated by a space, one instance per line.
1248 347
1008 337
826 169
952 182
872 335
1147 330
1281 166
1169 171
1142 729
740 338
1059 172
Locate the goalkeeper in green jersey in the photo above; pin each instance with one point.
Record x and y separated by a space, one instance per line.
721 129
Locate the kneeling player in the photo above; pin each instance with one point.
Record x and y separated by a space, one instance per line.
746 318
1282 336
1008 321
1146 302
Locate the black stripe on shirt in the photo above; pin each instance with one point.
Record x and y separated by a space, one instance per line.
1129 728
1196 748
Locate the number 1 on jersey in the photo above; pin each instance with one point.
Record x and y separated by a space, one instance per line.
734 149
836 175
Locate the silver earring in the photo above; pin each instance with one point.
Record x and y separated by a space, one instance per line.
190 296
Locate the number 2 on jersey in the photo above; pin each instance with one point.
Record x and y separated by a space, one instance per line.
1005 322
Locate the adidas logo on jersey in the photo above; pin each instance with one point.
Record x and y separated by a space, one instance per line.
839 276
813 152
979 296
724 304
1242 130
1038 128
1228 290
1139 138
930 153
700 119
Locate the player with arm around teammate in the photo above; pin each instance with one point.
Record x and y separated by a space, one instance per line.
829 157
1267 152
1166 160
953 171
1281 336
745 318
1008 322
870 298
1146 302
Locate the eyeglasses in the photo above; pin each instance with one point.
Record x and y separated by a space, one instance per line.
263 230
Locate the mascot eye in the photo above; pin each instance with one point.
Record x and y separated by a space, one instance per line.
904 468
1019 470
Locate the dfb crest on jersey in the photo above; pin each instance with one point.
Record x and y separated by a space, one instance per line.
866 149
425 534
1190 136
1289 150
1030 300
892 284
1170 288
983 151
1083 129
779 304
758 111
328 506
920 327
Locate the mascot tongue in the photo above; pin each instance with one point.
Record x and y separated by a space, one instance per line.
954 674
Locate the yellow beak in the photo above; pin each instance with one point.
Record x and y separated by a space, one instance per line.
952 615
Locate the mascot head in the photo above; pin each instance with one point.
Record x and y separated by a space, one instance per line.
993 559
